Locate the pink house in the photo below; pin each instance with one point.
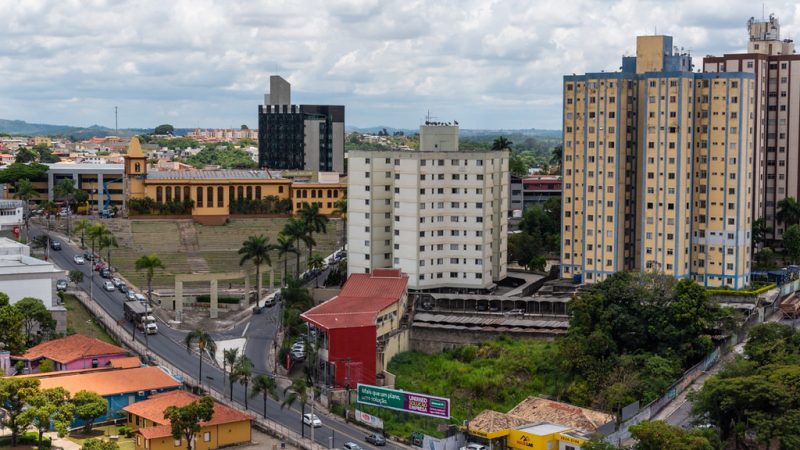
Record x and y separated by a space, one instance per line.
71 353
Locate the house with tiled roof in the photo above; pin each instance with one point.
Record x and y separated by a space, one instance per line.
362 328
71 353
227 426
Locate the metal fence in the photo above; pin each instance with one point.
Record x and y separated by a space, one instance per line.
124 336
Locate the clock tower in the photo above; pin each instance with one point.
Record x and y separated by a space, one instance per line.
135 170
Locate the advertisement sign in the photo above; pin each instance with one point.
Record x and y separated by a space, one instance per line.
369 420
409 402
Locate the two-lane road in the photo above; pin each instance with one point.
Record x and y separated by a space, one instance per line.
168 344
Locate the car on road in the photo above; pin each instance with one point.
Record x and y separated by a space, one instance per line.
109 286
312 420
105 273
116 282
272 299
123 288
130 295
298 355
55 245
61 285
351 446
375 439
78 259
139 297
88 256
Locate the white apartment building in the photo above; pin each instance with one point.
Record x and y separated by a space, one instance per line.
439 214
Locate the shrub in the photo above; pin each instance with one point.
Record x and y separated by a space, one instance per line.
125 431
226 299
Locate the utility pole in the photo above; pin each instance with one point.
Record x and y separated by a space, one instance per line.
116 121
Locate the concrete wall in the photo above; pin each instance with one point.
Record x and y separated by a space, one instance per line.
429 340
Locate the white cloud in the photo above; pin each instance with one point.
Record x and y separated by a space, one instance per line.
488 64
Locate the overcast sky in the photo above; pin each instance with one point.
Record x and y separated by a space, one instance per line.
487 64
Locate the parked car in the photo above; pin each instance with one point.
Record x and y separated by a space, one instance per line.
78 259
109 286
375 439
312 420
61 285
130 295
98 266
116 282
139 297
272 299
298 355
123 288
351 446
299 347
55 245
105 273
88 256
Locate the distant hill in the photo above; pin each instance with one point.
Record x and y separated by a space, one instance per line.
22 128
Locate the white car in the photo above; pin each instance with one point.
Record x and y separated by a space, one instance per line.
312 420
79 259
473 446
351 446
109 286
299 347
116 281
140 298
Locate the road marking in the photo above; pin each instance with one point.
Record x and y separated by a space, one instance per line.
245 329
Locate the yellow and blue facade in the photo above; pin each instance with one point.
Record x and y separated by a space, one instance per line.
657 167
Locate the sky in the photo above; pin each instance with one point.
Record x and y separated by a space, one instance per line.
204 63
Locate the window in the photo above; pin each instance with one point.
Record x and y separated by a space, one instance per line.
207 436
210 192
220 197
159 194
199 197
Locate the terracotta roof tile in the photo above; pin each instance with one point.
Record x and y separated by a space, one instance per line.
153 408
160 431
126 363
113 381
537 409
70 348
489 421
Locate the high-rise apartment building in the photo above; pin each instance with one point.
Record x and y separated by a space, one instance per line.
776 136
304 137
657 170
439 214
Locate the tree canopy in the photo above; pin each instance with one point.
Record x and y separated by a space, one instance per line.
224 155
185 420
15 172
89 407
164 129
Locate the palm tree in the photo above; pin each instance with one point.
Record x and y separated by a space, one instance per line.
229 358
314 223
95 232
266 386
256 249
285 246
65 190
297 391
108 241
204 343
243 371
316 262
82 226
501 143
24 191
149 263
295 230
788 212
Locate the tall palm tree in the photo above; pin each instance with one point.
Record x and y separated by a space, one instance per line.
243 370
108 241
316 262
256 249
314 222
297 391
295 230
266 386
82 226
287 244
205 343
95 232
788 212
229 358
66 190
149 263
24 191
501 143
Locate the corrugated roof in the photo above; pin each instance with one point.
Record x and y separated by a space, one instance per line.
537 409
70 348
153 408
223 174
363 296
113 381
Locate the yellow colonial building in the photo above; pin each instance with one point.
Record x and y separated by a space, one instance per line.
227 426
658 170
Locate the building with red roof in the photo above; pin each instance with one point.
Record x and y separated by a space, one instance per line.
72 352
362 328
227 426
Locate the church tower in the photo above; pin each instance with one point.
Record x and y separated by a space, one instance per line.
135 170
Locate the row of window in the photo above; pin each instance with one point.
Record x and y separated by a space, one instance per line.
437 162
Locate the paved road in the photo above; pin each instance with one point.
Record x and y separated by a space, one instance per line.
168 344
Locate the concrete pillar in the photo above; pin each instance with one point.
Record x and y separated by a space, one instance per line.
178 300
99 191
246 297
50 185
213 311
75 178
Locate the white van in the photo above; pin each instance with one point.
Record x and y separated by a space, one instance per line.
150 325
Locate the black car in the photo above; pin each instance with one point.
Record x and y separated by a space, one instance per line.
88 256
375 439
123 288
55 245
105 273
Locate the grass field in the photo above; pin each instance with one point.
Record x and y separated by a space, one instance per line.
217 245
102 433
81 321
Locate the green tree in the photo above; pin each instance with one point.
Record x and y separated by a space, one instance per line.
557 155
46 366
16 172
229 358
659 435
35 316
243 373
256 249
205 343
297 392
107 242
517 165
265 386
501 143
224 155
791 243
81 226
76 276
15 393
149 263
760 232
598 444
11 336
285 246
185 421
295 230
49 407
99 444
25 155
164 129
788 212
773 343
89 407
314 223
66 190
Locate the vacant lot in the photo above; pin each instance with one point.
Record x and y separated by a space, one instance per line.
81 321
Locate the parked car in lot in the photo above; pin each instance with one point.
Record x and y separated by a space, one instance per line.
78 259
109 286
61 285
375 439
312 420
351 446
55 245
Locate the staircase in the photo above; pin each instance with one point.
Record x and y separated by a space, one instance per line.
190 245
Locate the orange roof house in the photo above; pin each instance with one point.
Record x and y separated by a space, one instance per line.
227 426
72 352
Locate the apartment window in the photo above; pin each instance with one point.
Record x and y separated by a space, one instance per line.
366 174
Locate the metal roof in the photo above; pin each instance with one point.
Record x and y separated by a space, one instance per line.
543 298
488 321
223 174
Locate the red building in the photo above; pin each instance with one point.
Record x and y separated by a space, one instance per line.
537 189
361 329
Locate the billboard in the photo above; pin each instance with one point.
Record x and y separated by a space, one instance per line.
409 402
